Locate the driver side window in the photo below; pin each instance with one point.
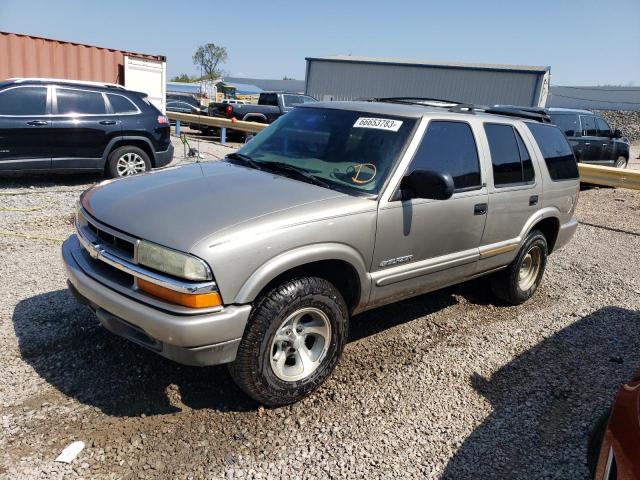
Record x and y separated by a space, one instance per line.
449 147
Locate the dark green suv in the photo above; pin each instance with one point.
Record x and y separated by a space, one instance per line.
592 139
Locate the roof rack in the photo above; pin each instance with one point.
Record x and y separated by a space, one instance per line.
423 101
64 80
528 113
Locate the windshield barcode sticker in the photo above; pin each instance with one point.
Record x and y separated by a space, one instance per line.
379 123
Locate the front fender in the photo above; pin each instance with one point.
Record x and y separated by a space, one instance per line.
299 257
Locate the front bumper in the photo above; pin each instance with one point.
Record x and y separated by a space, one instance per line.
194 339
164 158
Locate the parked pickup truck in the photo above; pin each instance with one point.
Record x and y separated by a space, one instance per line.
260 260
271 105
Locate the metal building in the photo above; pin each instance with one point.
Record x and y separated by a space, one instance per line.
345 77
595 98
271 85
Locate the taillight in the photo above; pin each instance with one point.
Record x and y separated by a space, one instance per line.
229 110
162 120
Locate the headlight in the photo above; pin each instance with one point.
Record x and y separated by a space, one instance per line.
172 262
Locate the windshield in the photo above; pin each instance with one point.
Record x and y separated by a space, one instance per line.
347 150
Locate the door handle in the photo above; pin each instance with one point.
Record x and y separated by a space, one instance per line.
587 144
533 200
37 123
107 122
480 209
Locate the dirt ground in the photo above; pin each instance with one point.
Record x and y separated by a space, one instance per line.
452 384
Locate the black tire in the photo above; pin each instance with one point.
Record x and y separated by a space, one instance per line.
595 442
621 162
505 283
112 162
252 370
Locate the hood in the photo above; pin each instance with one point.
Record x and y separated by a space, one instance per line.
176 207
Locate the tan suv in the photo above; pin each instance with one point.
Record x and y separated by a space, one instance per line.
260 260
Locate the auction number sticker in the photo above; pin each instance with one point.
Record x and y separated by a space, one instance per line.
378 123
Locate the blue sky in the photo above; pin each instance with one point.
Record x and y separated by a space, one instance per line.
586 42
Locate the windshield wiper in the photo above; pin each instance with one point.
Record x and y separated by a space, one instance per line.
299 172
245 160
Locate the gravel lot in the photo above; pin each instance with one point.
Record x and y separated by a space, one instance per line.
447 385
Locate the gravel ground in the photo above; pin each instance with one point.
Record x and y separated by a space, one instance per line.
634 155
447 385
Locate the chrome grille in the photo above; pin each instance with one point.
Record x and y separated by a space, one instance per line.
115 243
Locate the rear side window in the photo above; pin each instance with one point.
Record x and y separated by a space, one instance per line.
568 123
121 104
509 156
82 102
589 125
450 147
604 130
556 151
23 101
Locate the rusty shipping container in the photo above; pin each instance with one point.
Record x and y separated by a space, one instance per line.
29 56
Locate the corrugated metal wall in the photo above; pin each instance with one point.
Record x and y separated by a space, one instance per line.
595 98
347 81
26 56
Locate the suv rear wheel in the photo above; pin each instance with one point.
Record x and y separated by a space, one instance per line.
126 161
519 281
621 162
292 342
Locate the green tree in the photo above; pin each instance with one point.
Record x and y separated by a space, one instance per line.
183 77
208 57
288 78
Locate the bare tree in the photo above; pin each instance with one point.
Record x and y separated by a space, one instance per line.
208 57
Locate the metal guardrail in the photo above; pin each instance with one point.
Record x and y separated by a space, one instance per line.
222 123
595 174
609 176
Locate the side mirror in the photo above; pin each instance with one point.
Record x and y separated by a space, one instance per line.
427 184
617 133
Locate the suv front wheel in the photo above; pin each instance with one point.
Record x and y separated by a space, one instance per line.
292 342
126 161
518 282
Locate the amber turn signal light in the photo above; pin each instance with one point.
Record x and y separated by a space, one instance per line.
191 300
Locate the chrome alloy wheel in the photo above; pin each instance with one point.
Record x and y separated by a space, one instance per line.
130 164
300 344
530 268
621 162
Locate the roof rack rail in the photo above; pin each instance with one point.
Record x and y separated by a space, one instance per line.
528 113
65 80
422 101
521 112
526 109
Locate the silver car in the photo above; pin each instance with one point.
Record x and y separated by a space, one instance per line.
260 260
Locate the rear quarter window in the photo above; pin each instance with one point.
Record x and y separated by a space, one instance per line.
556 151
121 104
